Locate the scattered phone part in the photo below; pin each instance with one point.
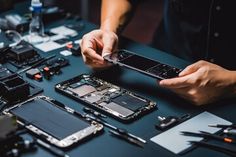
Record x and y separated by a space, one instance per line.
11 143
93 112
34 74
104 96
170 121
60 60
14 89
74 48
9 39
53 67
23 55
17 22
53 121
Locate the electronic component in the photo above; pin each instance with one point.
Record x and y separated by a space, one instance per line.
106 97
74 48
49 119
54 67
22 55
49 71
36 64
21 52
170 121
95 113
13 145
10 142
34 74
60 60
17 22
13 88
142 64
9 39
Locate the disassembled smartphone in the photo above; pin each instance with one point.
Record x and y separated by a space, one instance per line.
102 95
53 121
142 64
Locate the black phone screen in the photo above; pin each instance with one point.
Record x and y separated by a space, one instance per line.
139 62
133 60
142 64
49 118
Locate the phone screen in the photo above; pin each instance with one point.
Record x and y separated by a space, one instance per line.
142 64
133 60
139 62
49 118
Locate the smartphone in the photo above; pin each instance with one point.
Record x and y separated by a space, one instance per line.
106 97
143 64
53 121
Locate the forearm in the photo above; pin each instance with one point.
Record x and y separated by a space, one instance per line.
114 14
234 83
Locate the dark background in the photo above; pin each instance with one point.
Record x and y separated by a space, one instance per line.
141 28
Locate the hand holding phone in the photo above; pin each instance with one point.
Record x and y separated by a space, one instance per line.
94 46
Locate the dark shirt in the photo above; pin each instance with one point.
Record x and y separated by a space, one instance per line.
199 29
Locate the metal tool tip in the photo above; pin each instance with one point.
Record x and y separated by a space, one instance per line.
183 132
192 142
211 125
226 131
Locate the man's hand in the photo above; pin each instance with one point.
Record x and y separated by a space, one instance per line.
203 83
97 44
